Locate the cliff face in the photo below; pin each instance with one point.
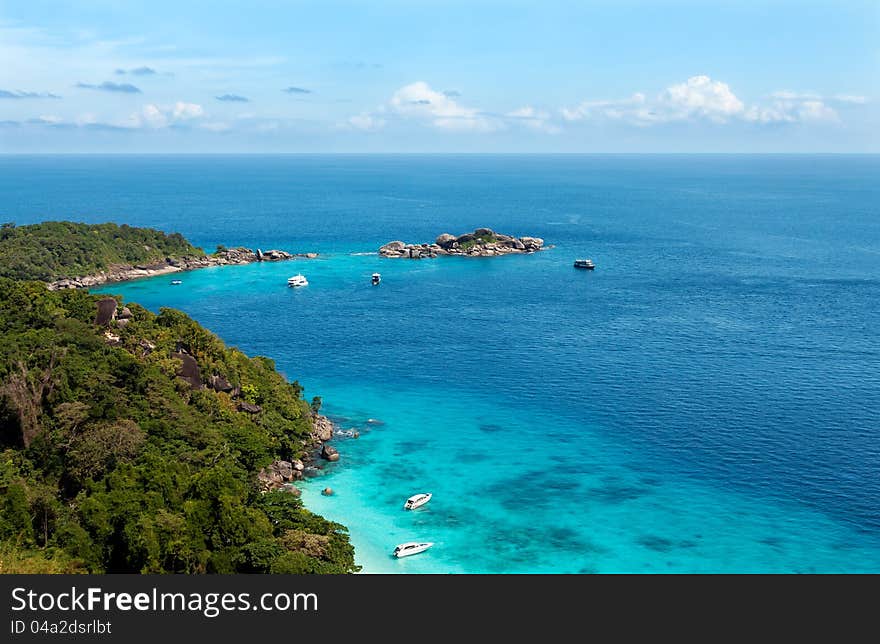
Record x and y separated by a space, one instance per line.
483 242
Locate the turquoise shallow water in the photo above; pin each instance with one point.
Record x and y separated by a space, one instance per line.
707 400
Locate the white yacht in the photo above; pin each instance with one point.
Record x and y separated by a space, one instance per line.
417 501
376 278
586 264
411 548
176 282
297 280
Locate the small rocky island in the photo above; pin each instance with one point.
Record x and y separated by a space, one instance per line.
483 242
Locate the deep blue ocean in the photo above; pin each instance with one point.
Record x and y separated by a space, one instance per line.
707 400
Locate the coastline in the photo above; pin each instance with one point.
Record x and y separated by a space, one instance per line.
490 459
127 272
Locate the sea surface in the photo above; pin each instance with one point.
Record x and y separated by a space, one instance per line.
708 400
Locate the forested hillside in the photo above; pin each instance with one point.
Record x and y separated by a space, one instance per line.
58 249
132 442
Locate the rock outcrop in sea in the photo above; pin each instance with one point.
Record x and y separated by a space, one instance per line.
483 242
229 256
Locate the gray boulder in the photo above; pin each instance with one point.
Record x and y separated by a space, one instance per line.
329 453
276 255
284 468
106 311
269 480
323 428
392 249
445 240
277 476
532 243
189 369
219 383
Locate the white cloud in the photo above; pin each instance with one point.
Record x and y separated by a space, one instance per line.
815 111
152 116
534 119
796 109
702 99
850 99
608 109
418 101
698 99
186 111
787 95
157 117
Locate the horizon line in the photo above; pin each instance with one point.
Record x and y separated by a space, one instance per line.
453 153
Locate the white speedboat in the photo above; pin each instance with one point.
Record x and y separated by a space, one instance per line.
586 264
411 548
376 278
417 501
297 280
176 282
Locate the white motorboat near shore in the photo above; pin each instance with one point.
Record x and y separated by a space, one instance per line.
297 280
376 278
417 500
411 548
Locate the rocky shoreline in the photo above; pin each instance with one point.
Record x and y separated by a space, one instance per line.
281 475
483 242
123 273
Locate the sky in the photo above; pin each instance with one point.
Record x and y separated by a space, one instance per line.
439 76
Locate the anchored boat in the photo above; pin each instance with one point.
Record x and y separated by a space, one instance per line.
297 280
376 278
411 548
417 501
586 264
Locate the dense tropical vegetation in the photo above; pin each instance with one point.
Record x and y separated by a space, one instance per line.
110 461
60 249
